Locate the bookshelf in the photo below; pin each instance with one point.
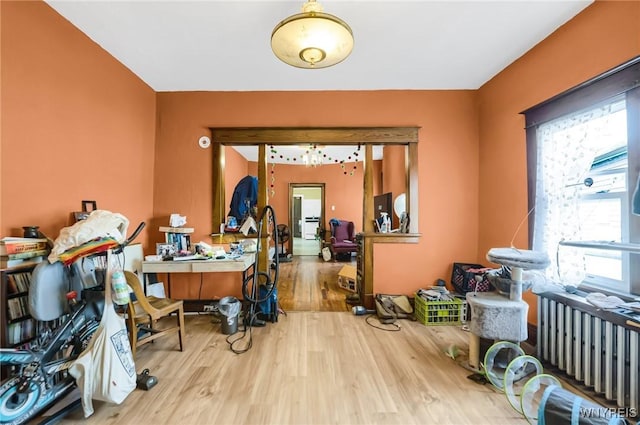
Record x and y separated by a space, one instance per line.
178 236
17 327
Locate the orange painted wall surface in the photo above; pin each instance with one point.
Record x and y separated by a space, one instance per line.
394 175
76 125
448 138
377 177
236 168
343 191
601 37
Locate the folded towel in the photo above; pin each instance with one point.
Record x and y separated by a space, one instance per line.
603 301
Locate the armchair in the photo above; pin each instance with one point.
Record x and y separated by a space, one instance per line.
342 237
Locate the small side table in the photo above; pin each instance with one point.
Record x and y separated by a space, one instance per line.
496 317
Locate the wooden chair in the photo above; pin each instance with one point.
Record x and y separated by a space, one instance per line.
144 312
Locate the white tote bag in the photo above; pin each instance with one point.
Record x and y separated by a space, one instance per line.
105 370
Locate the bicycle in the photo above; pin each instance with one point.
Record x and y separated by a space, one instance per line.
39 376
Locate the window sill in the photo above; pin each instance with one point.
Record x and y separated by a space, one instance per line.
392 237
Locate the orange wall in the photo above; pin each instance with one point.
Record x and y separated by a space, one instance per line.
394 175
377 177
343 191
601 37
236 168
76 125
448 138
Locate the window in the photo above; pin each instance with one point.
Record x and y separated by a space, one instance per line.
583 153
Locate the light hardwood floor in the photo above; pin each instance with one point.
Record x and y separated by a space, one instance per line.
308 368
319 364
309 283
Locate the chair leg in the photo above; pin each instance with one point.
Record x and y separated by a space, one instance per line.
181 325
133 336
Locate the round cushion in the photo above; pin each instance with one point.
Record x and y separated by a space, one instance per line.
525 259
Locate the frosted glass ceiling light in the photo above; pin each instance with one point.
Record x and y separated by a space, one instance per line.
312 39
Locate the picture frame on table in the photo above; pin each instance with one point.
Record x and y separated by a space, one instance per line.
166 250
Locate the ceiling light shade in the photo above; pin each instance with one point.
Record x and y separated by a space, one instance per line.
312 157
312 39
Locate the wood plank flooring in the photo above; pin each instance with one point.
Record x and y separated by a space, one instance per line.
308 368
308 283
319 364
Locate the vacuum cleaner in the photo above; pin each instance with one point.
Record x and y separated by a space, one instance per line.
260 289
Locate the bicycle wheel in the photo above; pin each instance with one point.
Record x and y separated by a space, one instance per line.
17 408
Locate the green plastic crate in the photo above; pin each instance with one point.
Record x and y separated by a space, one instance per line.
437 313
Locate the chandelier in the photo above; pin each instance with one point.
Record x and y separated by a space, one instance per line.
312 157
312 39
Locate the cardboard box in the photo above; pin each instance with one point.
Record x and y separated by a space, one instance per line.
347 278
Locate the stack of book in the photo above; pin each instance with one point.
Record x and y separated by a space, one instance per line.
16 252
179 237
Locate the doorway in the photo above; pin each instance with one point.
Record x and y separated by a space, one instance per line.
306 218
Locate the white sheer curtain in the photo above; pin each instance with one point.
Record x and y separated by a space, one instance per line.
566 149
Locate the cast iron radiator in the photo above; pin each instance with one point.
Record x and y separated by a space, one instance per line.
595 347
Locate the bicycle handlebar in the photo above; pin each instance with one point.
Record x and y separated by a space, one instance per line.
130 239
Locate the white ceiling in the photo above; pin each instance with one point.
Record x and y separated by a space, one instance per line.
216 45
293 154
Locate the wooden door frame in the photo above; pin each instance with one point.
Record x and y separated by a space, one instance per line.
292 215
367 136
293 186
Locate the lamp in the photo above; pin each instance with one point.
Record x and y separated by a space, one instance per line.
312 157
312 39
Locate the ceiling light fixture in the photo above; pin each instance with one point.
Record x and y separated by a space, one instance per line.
312 157
312 39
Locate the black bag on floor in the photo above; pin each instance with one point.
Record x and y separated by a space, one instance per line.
389 308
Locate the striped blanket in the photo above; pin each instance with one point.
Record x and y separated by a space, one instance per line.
92 247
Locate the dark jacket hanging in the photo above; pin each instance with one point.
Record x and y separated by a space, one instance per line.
246 189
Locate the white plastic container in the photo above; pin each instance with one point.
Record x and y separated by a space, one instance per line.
384 227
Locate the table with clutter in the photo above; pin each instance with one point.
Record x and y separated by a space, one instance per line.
221 263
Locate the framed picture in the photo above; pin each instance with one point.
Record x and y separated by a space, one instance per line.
82 215
166 249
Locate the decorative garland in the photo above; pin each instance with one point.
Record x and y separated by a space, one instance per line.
312 147
273 179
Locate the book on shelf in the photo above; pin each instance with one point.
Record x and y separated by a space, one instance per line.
12 286
17 307
13 245
20 332
25 254
6 263
181 241
19 281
